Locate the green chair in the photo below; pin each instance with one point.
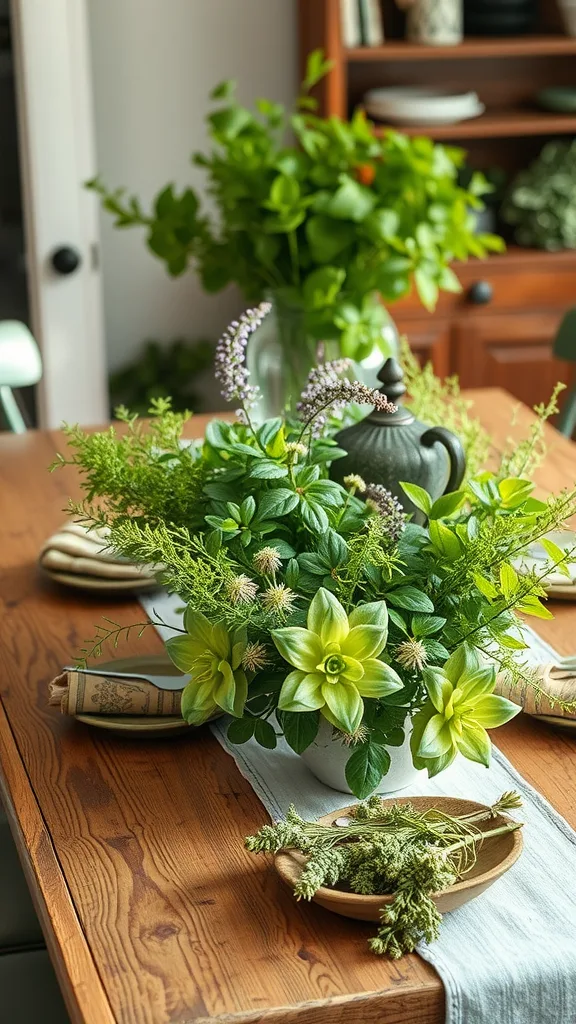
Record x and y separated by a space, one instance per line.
20 366
29 992
19 926
565 348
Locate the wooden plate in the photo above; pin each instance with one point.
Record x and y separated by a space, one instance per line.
494 858
150 726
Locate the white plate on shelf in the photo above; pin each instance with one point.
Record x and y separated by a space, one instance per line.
422 105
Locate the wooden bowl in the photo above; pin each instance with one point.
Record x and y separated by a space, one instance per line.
495 856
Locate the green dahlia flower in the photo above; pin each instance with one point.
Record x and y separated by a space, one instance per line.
213 657
335 661
460 709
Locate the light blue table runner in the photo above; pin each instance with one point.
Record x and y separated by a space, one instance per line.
509 956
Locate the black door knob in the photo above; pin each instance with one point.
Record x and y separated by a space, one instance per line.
481 293
65 260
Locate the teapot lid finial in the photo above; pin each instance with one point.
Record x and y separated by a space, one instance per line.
391 377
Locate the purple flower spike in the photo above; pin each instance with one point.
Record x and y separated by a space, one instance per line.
326 391
230 361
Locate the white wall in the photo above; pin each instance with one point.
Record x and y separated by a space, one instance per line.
154 63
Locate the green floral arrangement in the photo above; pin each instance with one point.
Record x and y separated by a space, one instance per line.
388 850
310 601
321 224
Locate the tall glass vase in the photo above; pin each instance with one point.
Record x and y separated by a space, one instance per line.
281 353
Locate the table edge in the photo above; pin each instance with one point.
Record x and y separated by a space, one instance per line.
75 968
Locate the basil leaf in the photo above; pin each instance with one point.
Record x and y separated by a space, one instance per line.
265 735
365 768
300 728
241 730
265 469
410 598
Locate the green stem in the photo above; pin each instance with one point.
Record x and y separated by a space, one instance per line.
294 257
480 836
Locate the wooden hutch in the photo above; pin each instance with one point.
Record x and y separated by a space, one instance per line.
499 330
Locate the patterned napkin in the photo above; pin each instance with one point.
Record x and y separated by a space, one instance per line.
80 693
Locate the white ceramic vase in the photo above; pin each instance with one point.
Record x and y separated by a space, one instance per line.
326 758
435 22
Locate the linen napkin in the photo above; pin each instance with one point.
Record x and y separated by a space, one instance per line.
75 552
79 693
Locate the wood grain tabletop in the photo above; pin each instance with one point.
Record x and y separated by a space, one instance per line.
153 911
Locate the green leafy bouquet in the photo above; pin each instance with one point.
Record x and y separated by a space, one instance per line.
321 226
309 601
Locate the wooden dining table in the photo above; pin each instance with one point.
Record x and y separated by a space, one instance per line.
153 911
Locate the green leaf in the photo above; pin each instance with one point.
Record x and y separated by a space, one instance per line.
486 587
410 598
514 492
224 90
292 574
316 69
427 288
447 504
300 728
241 730
418 496
508 580
322 286
427 625
333 548
365 768
531 606
351 201
327 237
557 555
314 516
247 510
277 503
444 541
265 469
285 192
397 619
228 123
268 430
265 735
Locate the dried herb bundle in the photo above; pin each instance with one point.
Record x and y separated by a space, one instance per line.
387 850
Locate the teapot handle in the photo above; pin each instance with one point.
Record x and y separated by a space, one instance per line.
455 453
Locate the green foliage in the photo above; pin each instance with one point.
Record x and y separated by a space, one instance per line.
387 851
541 202
161 371
302 604
439 403
299 221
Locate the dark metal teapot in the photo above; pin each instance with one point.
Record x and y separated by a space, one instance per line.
385 448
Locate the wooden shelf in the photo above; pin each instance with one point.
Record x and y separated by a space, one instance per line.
494 124
519 46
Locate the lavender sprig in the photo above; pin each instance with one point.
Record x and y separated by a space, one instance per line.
326 391
382 501
230 360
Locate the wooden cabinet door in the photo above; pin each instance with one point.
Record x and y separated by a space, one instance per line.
511 351
429 340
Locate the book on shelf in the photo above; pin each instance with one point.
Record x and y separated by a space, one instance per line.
350 20
371 23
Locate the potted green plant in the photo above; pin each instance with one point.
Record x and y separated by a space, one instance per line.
321 227
316 610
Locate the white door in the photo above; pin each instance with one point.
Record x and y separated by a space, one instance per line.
52 61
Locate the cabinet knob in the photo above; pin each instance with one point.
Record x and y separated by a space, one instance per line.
65 260
481 293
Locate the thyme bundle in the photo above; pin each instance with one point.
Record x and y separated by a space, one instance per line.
388 850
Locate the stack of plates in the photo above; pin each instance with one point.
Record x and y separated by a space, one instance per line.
421 105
